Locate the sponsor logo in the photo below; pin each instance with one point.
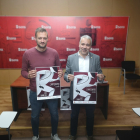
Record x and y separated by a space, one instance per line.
46 27
108 38
1 50
32 38
70 27
10 38
20 27
62 59
70 49
117 49
95 27
13 60
60 38
22 49
94 49
119 27
107 59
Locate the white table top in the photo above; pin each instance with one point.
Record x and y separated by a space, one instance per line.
6 118
137 110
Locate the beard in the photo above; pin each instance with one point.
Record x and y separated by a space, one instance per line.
41 46
83 51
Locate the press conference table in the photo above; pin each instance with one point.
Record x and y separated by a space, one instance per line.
19 96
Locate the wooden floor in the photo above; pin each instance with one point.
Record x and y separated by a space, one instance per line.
120 114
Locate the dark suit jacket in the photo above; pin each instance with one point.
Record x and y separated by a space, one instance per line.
73 65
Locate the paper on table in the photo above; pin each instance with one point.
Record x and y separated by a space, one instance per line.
137 110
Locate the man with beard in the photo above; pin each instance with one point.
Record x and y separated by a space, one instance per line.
40 56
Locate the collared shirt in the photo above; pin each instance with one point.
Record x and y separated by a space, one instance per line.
83 63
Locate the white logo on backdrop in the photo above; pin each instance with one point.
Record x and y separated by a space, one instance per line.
70 27
119 27
10 38
107 59
20 27
22 49
70 49
95 27
118 49
46 27
60 38
94 49
13 60
32 38
108 38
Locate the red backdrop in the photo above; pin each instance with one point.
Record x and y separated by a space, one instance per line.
108 35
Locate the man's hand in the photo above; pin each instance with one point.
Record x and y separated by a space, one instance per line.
100 76
70 77
60 73
32 74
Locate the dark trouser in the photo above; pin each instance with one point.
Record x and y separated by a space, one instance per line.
36 108
89 118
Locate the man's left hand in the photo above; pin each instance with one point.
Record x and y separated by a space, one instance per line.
60 73
100 76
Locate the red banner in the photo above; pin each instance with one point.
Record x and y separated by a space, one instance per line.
17 34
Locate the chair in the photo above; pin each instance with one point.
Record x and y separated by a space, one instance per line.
133 134
128 71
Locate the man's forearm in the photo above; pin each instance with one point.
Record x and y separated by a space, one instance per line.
66 77
25 74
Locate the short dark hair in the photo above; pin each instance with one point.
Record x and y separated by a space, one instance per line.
40 30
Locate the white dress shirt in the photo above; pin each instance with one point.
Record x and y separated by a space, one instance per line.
83 63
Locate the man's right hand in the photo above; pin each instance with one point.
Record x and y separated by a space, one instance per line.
70 77
32 74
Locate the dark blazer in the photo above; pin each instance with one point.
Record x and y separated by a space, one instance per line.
73 65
